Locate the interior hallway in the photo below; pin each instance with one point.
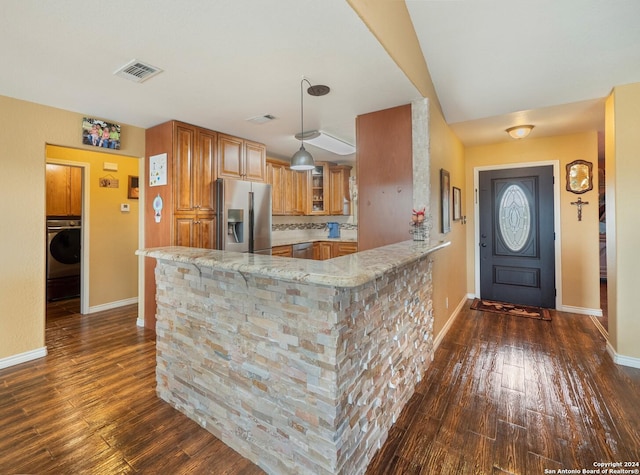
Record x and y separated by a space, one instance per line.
503 395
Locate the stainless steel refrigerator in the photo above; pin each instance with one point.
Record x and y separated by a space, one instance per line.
244 216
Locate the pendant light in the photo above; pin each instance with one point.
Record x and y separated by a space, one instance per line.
302 160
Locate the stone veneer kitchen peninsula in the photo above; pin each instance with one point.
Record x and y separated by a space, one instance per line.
301 366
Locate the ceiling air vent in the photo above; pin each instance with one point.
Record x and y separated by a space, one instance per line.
137 71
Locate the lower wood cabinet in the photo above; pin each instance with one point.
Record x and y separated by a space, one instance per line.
282 251
344 248
195 231
323 250
319 250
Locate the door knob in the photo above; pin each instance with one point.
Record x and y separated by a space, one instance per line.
484 244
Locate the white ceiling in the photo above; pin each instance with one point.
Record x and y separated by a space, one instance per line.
494 63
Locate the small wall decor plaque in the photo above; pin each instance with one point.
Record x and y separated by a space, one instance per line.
98 133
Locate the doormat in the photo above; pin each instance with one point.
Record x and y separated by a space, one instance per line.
511 309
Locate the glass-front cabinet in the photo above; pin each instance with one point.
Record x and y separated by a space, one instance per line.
318 198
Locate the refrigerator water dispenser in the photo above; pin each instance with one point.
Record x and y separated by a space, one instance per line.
235 225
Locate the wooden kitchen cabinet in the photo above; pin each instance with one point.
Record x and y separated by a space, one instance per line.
275 178
344 248
241 159
194 187
195 231
339 196
282 251
295 192
323 250
194 169
64 190
317 186
287 188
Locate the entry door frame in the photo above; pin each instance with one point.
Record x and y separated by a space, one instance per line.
84 259
556 219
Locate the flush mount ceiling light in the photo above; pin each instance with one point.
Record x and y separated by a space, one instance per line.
519 131
302 160
327 142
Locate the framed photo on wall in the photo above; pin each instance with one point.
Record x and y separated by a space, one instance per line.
457 204
445 205
98 133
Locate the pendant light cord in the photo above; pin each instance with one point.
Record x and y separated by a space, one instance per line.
302 110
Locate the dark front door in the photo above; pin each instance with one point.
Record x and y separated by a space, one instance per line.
517 249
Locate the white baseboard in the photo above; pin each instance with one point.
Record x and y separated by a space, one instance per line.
622 359
140 322
597 312
445 328
23 357
112 305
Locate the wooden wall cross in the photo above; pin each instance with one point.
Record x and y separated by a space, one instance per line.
579 204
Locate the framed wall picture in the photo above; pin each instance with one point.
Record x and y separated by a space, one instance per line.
445 205
457 204
133 192
98 133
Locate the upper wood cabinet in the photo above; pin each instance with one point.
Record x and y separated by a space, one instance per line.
241 159
287 188
64 190
328 190
318 189
275 178
339 196
194 169
296 192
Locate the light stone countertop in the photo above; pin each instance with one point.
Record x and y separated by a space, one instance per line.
346 271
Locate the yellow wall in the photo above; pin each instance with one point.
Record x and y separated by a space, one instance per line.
113 234
26 128
449 264
580 284
623 196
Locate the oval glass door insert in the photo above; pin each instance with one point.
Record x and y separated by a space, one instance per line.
514 218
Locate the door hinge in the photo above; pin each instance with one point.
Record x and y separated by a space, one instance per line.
476 196
555 292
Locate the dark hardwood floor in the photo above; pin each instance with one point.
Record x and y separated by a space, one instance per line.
503 395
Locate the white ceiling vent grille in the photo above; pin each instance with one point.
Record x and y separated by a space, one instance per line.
137 71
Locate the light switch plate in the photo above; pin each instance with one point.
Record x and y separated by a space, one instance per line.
124 207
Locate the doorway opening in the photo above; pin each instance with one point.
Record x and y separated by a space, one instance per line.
66 235
602 191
